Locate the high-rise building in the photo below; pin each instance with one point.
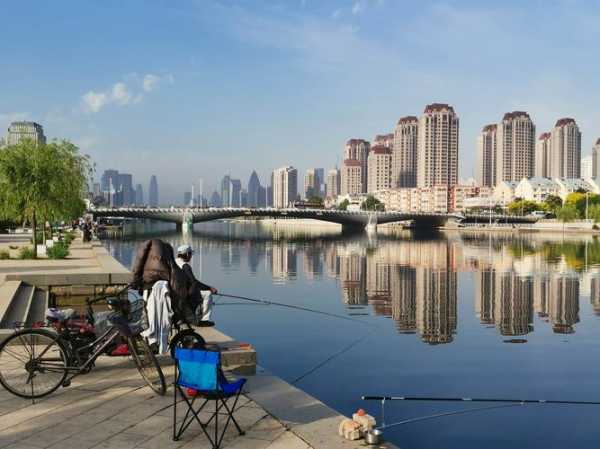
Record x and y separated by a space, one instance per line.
254 190
139 195
379 168
486 156
566 149
515 147
18 131
587 167
215 199
153 192
384 140
226 191
285 186
109 178
312 185
333 183
236 193
405 155
543 148
596 159
187 198
438 146
358 150
320 181
125 188
352 177
244 198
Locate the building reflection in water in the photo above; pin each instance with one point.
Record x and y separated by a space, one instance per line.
415 281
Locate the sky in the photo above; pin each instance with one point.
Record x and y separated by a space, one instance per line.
191 90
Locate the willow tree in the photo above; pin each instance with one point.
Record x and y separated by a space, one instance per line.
42 181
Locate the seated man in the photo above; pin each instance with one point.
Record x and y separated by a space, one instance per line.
184 256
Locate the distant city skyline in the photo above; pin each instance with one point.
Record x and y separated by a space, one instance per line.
174 104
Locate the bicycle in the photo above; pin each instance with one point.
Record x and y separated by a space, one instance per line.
34 362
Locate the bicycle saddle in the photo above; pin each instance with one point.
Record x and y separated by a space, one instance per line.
62 315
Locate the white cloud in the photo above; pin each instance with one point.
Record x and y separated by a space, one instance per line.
93 101
150 82
120 94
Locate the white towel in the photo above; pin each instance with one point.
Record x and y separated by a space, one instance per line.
158 308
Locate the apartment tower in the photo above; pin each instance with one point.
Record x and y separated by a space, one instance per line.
596 159
515 155
358 150
352 177
566 149
18 131
404 154
486 156
285 186
379 168
438 146
333 183
543 154
311 183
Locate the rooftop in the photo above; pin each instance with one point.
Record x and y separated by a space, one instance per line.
564 121
408 119
544 136
380 149
515 114
356 142
438 107
490 127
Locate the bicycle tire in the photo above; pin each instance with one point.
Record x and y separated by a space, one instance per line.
187 338
146 363
21 348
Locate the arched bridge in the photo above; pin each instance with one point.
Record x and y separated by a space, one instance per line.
181 215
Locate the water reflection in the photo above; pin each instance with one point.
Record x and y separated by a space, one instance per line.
414 279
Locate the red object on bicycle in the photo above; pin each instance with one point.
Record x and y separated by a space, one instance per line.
120 350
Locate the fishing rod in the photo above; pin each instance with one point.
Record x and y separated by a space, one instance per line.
291 306
451 399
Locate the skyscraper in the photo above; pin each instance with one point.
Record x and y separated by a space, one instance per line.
285 186
438 146
125 187
236 193
333 183
404 154
18 131
587 167
379 168
486 156
254 190
215 199
153 192
312 186
320 182
566 149
596 159
358 150
139 195
109 178
352 177
543 154
515 147
226 191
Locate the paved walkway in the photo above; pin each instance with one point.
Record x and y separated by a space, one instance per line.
110 408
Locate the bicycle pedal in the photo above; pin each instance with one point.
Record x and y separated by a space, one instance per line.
66 383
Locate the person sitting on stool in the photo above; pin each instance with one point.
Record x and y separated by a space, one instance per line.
184 256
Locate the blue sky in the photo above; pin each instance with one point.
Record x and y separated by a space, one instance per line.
197 89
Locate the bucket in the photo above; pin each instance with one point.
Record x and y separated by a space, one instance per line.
373 436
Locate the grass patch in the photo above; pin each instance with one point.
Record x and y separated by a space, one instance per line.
26 253
4 254
59 250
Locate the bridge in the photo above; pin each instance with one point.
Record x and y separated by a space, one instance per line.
184 216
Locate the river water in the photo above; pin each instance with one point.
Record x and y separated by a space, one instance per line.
449 314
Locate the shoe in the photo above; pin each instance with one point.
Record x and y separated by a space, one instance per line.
206 323
120 350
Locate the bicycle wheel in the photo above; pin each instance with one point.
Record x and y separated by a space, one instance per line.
147 364
33 363
186 338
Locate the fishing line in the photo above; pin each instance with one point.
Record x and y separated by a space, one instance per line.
449 399
291 306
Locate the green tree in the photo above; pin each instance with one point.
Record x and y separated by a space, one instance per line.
552 203
372 203
566 214
523 207
317 200
594 212
40 182
344 205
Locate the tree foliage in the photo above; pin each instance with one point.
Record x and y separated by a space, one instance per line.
567 213
344 205
372 203
579 200
552 203
523 207
40 182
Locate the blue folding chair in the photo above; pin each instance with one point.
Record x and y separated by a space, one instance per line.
200 371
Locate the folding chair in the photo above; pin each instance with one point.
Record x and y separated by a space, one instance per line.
200 371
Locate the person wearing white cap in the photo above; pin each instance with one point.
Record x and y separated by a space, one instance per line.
184 256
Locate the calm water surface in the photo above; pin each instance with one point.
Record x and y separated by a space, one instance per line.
469 315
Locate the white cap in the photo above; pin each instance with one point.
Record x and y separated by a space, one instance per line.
184 249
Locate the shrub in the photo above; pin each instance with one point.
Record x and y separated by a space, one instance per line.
4 254
58 251
68 238
26 253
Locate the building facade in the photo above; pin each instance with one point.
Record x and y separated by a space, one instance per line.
285 187
438 146
596 159
405 152
543 154
153 192
587 167
379 168
254 190
18 131
566 149
486 156
515 158
358 150
333 183
352 177
312 185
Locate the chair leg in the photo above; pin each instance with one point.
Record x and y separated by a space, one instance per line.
230 413
175 438
217 442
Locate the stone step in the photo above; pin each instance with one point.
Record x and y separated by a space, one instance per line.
19 307
37 310
8 290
